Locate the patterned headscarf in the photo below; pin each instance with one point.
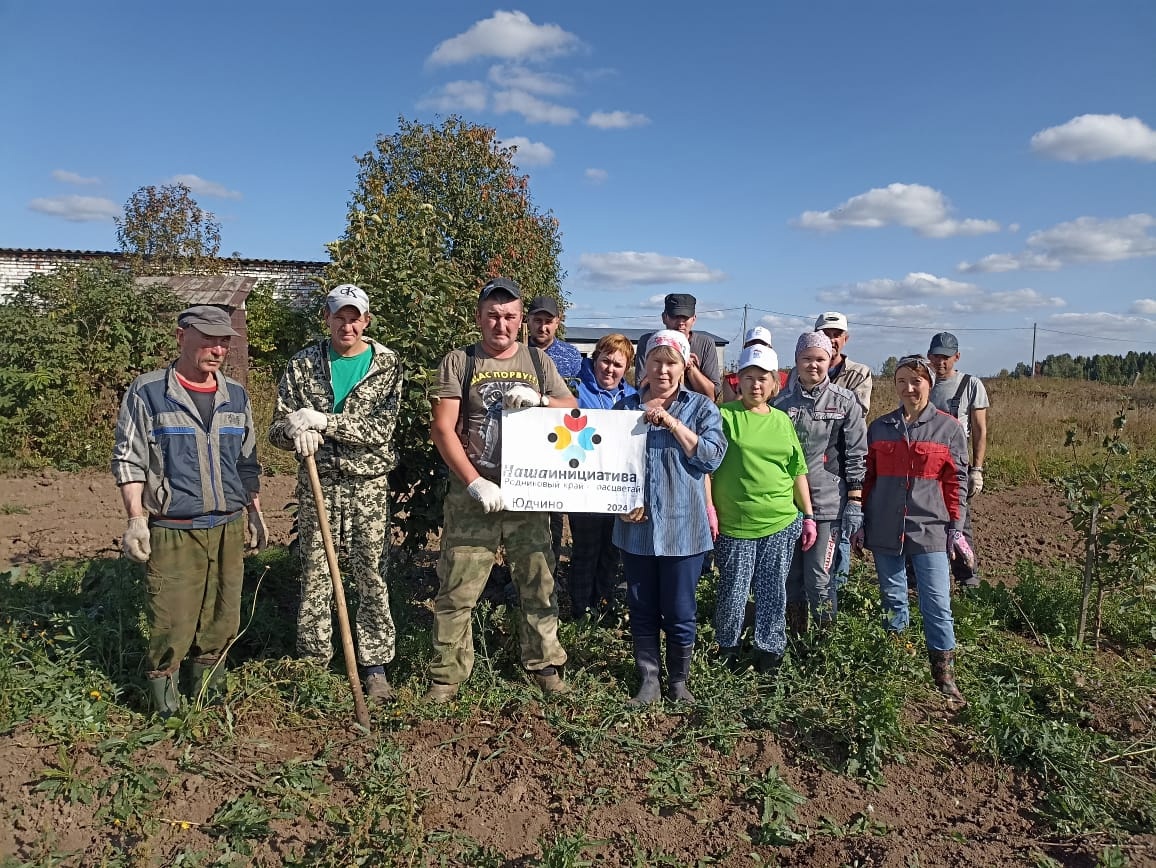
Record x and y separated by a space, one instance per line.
670 338
919 364
815 339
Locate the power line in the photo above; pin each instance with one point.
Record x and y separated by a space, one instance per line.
1097 338
921 328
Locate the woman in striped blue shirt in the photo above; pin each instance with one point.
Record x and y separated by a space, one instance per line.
663 543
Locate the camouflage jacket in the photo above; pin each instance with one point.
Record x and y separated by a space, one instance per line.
359 439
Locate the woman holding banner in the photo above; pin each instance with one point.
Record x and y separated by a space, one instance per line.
763 505
663 542
593 558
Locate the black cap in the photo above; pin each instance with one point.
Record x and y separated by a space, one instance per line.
500 284
543 304
944 344
680 304
208 320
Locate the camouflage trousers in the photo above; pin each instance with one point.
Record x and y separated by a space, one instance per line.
359 523
470 541
193 593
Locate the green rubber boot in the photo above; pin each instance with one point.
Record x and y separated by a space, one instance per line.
164 698
207 679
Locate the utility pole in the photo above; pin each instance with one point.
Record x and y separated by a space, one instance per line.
745 308
1034 350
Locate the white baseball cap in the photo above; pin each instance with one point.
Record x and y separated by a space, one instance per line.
758 333
760 357
831 319
347 295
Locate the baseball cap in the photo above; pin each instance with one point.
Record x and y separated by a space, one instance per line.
831 319
500 284
670 338
347 295
543 304
944 344
680 304
758 333
208 320
760 357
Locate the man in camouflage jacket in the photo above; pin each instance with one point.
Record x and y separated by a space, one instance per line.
338 401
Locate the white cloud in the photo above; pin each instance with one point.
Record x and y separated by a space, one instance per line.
507 35
883 289
924 209
596 176
77 209
199 185
1097 137
1007 302
534 110
515 77
457 96
887 297
67 177
1144 306
529 153
1086 239
1113 325
630 267
617 120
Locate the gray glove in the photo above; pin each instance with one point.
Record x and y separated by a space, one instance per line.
258 532
307 442
137 541
487 494
304 419
852 518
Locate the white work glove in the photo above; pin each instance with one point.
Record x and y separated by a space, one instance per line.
258 533
307 442
304 419
522 395
487 494
137 542
974 481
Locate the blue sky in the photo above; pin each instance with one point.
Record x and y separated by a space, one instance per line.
920 166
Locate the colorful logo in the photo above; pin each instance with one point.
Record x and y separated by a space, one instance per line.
573 439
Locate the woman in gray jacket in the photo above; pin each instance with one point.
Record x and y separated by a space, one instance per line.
830 424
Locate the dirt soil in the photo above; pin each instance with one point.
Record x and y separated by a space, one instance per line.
927 813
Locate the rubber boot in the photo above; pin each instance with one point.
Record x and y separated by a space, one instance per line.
766 662
646 659
943 672
206 679
678 671
729 657
164 697
797 619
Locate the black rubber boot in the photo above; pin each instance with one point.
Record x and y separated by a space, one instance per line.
206 679
164 697
797 619
767 663
729 657
646 659
677 672
943 671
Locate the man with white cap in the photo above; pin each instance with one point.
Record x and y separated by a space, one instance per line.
338 401
853 376
185 461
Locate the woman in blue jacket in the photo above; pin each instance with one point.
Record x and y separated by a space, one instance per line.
594 559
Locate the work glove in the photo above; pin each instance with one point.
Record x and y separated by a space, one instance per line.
522 395
858 540
136 542
852 518
974 481
712 520
304 419
258 533
487 494
307 442
810 533
958 548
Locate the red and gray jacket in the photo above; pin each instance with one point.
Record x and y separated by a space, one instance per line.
916 484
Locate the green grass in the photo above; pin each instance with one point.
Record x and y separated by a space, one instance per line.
71 675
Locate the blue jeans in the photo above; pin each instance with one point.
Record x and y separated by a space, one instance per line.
765 563
660 595
933 580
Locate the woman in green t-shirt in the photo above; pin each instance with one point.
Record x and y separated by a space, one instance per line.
754 503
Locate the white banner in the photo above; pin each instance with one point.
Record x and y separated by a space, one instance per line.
556 460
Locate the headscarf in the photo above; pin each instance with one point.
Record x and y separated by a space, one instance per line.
670 338
815 339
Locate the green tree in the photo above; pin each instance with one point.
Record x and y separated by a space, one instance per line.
73 341
887 372
165 231
436 212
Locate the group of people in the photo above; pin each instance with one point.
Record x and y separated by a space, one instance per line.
779 483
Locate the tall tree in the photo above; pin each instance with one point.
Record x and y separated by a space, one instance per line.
165 231
436 212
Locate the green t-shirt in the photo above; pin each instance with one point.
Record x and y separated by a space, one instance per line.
754 488
347 372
